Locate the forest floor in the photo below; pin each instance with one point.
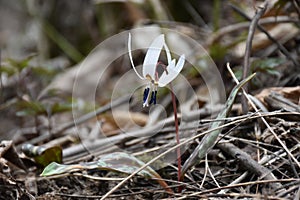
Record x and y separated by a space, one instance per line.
74 126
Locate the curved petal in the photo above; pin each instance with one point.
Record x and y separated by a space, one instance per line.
130 57
152 55
172 70
166 78
168 53
180 63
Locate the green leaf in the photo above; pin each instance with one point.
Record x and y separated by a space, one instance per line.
123 162
217 51
21 64
26 112
56 169
30 108
43 155
238 73
8 70
44 71
263 65
61 107
273 72
210 139
49 155
118 162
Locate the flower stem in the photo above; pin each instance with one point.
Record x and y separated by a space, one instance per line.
177 135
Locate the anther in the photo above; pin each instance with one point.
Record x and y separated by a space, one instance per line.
153 97
146 93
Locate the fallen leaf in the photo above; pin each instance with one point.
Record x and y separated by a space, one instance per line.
118 161
291 93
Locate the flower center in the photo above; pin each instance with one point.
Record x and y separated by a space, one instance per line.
150 92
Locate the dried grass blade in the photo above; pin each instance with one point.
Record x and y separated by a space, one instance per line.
210 139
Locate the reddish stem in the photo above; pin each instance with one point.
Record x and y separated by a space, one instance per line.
177 135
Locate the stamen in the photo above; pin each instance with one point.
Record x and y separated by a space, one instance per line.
146 96
153 97
155 93
146 93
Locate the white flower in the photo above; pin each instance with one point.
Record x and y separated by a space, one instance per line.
158 74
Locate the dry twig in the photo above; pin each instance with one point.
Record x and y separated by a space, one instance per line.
246 66
249 163
261 28
264 121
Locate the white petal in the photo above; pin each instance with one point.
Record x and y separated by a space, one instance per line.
152 55
168 53
173 72
130 57
167 78
180 63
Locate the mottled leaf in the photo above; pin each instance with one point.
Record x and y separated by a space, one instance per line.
118 162
209 140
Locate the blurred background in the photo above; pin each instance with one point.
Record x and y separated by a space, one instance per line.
73 29
43 43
